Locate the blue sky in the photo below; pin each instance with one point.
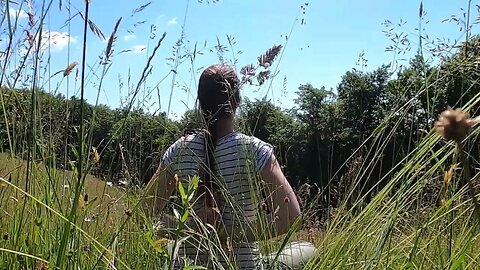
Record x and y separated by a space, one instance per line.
318 51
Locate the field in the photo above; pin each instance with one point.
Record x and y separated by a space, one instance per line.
386 172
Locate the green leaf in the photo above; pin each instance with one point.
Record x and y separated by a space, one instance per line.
185 216
192 187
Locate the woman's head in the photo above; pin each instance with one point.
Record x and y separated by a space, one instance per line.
218 92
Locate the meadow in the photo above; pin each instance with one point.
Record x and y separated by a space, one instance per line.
381 185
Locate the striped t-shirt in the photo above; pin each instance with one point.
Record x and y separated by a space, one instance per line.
238 161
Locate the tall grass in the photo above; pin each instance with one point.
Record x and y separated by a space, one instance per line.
64 218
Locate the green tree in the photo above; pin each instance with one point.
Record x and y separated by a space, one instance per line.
280 128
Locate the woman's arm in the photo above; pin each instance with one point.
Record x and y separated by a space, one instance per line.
158 191
282 196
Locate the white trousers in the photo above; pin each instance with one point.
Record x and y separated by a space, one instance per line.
293 256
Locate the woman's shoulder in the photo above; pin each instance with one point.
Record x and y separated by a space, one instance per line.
190 141
188 138
260 150
251 140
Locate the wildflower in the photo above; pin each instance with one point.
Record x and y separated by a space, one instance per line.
454 124
110 184
447 177
3 182
42 266
81 203
96 156
160 242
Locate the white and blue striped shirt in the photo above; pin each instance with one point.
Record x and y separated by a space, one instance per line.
238 161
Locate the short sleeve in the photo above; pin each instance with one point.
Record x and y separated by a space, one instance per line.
171 152
262 153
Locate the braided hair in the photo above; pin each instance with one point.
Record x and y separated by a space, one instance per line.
218 97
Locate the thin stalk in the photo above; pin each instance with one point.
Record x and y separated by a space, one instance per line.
468 177
31 136
81 146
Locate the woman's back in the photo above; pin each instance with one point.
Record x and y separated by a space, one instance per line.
238 160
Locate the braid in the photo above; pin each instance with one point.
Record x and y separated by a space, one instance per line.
219 97
208 173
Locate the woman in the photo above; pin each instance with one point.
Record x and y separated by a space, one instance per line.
229 194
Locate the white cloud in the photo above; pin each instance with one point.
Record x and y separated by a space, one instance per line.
129 37
21 15
159 19
53 40
57 41
173 21
138 48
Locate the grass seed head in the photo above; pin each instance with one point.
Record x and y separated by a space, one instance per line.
454 125
69 69
266 59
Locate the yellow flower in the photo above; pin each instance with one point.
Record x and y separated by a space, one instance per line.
3 183
81 203
443 202
160 242
447 177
